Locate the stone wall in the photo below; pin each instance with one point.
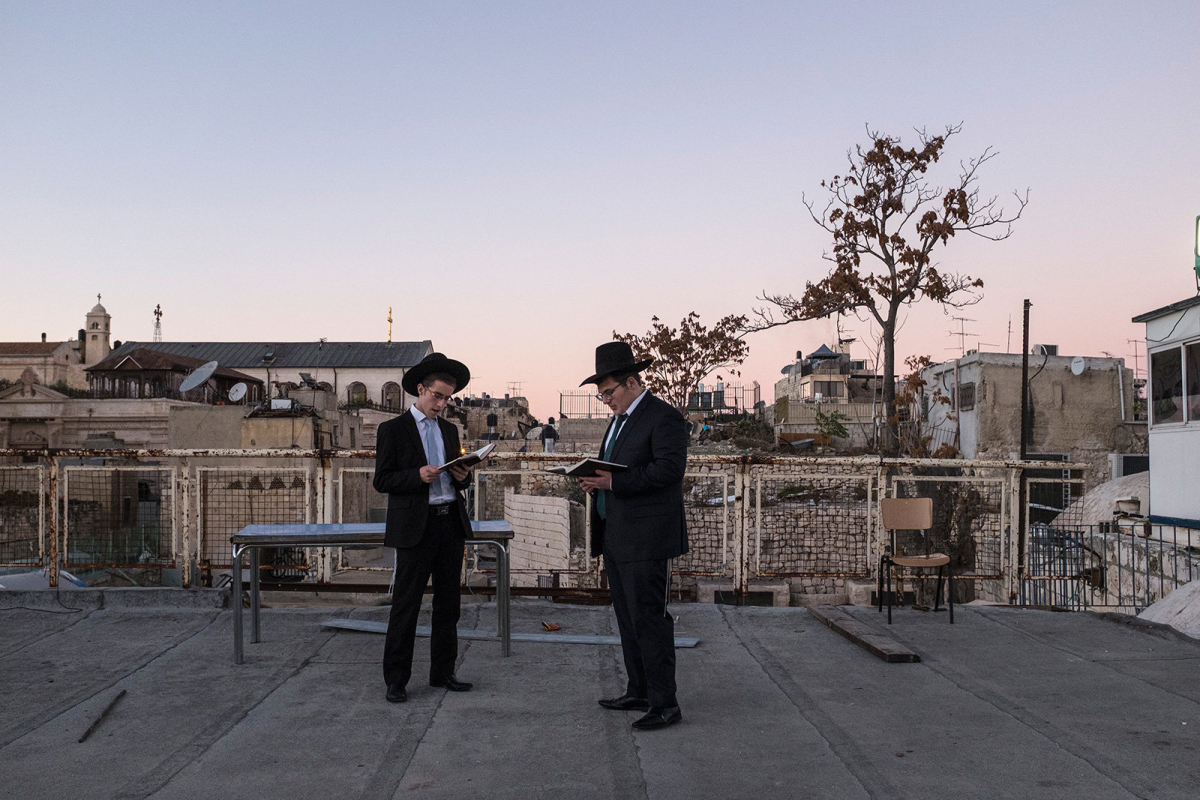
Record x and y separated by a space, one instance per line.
542 535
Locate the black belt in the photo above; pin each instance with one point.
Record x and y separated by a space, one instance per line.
441 510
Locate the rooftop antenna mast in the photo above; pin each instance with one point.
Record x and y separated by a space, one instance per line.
1008 342
158 322
514 388
1136 370
962 333
389 324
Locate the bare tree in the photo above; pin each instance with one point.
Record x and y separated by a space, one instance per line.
686 355
884 210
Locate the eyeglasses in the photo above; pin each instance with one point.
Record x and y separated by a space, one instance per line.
604 397
436 395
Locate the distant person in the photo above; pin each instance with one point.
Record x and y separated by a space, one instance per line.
427 523
638 526
549 436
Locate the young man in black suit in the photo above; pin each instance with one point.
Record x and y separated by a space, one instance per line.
427 522
638 526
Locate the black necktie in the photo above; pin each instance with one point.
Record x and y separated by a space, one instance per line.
612 440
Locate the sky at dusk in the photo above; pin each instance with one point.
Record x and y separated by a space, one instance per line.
517 180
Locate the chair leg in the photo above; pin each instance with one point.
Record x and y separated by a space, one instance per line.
889 593
937 592
879 592
950 591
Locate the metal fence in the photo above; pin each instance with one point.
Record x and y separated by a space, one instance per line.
165 517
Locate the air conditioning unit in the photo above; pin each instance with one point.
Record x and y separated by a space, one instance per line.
282 404
1045 349
1123 464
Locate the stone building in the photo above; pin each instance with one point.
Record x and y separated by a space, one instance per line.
827 381
1081 409
60 363
36 416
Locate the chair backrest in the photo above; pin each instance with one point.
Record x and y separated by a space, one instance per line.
907 513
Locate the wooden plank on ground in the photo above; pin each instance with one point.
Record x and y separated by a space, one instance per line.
865 637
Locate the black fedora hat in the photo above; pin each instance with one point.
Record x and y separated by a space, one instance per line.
436 362
613 358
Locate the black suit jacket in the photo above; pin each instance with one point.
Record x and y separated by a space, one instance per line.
644 510
399 456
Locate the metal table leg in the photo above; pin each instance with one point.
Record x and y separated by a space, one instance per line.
255 597
236 600
502 598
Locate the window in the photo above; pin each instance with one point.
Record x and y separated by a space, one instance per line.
966 396
1166 384
828 388
391 395
356 393
1193 381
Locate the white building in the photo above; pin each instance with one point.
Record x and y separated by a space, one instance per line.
1173 344
361 374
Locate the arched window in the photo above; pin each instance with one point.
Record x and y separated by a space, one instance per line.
356 393
391 395
95 326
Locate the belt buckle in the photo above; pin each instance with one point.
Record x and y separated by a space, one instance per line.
442 510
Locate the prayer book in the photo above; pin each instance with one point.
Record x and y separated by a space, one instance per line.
471 459
587 468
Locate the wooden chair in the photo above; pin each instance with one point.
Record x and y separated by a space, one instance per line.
912 514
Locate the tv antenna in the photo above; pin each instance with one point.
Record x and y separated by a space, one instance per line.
514 388
158 323
962 333
1135 343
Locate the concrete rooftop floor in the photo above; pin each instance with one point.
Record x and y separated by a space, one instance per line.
1005 703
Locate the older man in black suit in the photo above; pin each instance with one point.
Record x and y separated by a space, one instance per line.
638 526
427 523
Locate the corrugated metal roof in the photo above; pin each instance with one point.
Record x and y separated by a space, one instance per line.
1182 305
292 355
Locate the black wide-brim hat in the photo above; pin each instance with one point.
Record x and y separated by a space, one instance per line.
613 358
432 363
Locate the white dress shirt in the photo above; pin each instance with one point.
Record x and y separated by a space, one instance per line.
613 431
440 491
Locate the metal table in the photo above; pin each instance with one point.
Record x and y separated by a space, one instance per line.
496 533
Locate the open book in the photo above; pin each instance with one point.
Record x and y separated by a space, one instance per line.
471 459
587 468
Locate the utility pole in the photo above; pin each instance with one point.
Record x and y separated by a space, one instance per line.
1021 494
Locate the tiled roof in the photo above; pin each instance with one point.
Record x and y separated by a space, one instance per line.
294 355
28 348
148 359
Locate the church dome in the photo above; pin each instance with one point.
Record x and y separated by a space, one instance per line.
98 309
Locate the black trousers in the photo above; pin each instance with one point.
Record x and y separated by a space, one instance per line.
639 598
439 553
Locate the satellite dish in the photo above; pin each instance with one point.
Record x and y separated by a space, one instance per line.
237 392
201 374
1078 365
533 434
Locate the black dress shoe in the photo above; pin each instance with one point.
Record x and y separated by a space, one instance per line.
658 717
626 702
396 693
451 684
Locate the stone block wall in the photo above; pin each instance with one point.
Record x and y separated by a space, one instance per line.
542 535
